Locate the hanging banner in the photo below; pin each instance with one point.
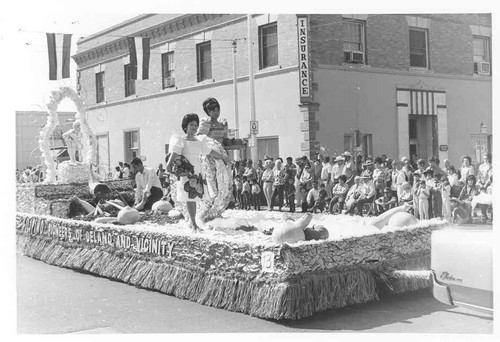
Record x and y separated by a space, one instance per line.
304 65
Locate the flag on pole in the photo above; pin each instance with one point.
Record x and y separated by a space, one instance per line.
59 46
140 51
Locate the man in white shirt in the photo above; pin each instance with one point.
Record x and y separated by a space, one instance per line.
326 175
367 192
148 189
313 194
338 169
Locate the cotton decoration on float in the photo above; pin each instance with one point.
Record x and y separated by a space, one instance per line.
161 207
402 219
126 215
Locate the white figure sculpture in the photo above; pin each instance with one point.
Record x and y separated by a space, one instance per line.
73 139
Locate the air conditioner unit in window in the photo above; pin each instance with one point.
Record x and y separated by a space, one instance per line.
482 68
170 82
354 56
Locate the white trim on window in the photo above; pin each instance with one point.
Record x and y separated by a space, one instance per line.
422 23
480 30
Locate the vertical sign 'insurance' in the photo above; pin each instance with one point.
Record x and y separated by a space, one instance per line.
304 71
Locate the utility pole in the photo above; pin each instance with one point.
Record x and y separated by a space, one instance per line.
235 102
253 133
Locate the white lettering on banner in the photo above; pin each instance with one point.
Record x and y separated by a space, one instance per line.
304 76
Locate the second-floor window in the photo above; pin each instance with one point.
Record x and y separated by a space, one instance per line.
481 55
204 61
353 41
481 49
268 45
419 56
99 87
167 69
129 82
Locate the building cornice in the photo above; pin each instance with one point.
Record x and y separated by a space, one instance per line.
159 34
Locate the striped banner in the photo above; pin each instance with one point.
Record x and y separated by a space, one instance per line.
59 47
140 50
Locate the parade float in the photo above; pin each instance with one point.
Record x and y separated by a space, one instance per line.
272 265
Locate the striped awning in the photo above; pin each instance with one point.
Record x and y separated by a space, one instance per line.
421 103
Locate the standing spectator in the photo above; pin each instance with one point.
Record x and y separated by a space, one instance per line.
466 169
456 185
434 166
398 178
416 185
249 171
359 165
291 171
279 184
268 180
306 177
485 170
238 189
349 168
420 167
379 172
436 197
445 197
326 175
258 172
317 166
423 201
245 194
368 168
290 194
408 169
256 190
338 169
161 174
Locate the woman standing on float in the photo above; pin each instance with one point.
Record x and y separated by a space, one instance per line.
190 188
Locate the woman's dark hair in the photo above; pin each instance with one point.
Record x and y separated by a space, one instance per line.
468 158
189 118
452 169
343 177
378 160
469 177
136 161
210 104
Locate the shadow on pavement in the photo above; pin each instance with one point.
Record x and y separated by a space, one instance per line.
388 310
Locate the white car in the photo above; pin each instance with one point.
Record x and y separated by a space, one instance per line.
462 267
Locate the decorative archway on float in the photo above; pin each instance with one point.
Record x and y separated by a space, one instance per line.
89 139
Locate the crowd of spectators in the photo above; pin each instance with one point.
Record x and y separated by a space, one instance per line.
364 186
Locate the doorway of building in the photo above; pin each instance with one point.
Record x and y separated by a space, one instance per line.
267 146
423 136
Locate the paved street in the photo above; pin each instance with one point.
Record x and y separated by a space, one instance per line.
54 300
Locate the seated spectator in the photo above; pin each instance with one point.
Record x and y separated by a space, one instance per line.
339 193
353 195
313 194
386 202
459 214
322 200
367 193
466 195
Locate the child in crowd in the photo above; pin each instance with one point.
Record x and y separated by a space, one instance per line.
415 187
436 197
303 195
445 197
238 186
255 194
290 194
245 194
423 201
321 203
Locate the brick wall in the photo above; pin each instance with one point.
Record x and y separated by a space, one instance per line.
185 59
387 41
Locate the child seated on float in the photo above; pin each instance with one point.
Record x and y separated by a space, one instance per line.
255 194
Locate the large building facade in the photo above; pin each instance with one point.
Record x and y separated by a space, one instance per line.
396 84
